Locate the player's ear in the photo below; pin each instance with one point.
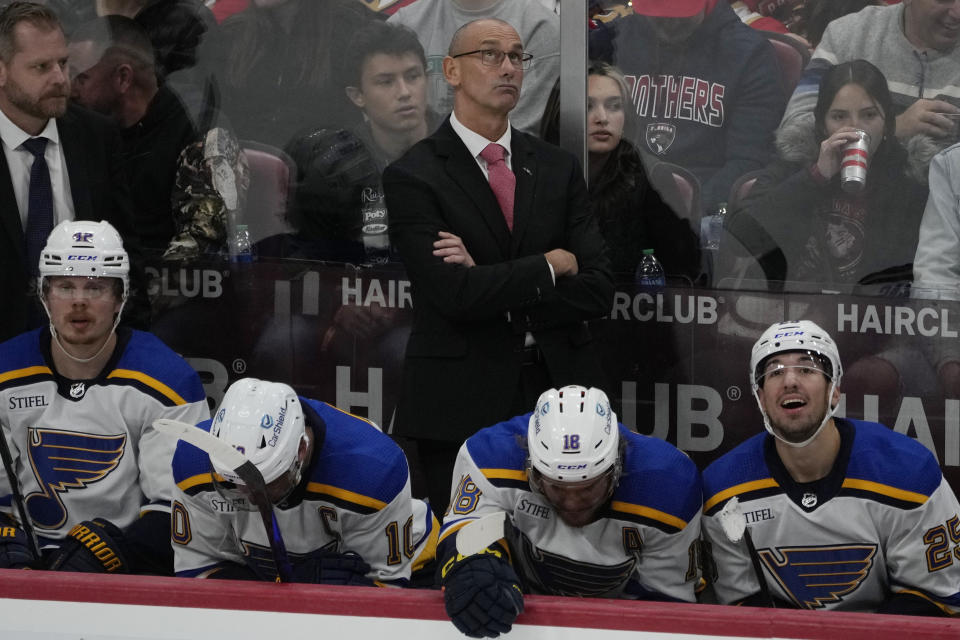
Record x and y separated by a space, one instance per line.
356 97
835 397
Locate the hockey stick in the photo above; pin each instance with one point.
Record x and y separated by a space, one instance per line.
734 525
476 536
18 496
227 456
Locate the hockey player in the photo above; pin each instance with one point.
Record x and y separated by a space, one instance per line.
340 490
77 404
596 510
843 514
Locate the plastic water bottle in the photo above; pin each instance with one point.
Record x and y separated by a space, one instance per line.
650 276
239 245
711 228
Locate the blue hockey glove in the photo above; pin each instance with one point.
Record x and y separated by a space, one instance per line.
481 593
93 546
333 568
15 552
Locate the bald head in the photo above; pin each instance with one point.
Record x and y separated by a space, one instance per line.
462 35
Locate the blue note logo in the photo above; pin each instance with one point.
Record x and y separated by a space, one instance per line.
63 461
814 577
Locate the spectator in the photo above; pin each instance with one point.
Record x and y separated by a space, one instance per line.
914 44
630 212
435 21
503 277
94 392
815 15
597 511
825 495
277 64
705 87
81 152
936 266
827 235
339 489
113 74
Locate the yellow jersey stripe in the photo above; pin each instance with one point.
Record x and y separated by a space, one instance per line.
454 529
647 512
429 549
504 474
153 383
192 481
24 373
349 496
746 487
884 489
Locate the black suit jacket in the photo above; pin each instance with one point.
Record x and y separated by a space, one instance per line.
463 358
91 146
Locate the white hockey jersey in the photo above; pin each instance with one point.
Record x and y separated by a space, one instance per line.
883 521
87 448
641 546
355 497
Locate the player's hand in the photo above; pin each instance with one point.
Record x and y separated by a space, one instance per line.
482 594
15 552
451 248
333 568
365 323
92 546
930 117
563 262
831 151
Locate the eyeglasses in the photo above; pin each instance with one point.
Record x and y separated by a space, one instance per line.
494 57
91 290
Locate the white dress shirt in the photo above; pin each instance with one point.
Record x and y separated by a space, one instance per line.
20 161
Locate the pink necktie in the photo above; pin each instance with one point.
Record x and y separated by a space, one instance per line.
502 180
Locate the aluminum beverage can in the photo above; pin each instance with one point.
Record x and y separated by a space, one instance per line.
853 163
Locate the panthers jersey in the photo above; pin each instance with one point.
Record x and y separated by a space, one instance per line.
87 448
884 520
642 544
355 497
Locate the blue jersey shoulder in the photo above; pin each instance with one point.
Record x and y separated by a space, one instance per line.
658 481
19 353
742 471
890 459
149 363
502 446
358 466
191 466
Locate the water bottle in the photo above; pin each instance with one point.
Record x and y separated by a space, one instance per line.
374 225
239 245
711 228
650 276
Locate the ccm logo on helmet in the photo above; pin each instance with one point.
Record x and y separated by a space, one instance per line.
82 258
571 467
787 334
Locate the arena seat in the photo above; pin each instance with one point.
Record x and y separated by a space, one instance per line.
271 184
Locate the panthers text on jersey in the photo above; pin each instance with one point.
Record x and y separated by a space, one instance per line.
884 520
87 448
643 543
355 497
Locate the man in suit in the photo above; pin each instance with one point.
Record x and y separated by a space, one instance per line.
81 153
503 277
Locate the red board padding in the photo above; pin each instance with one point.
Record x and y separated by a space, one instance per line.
402 603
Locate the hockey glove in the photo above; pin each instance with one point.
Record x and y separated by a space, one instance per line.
333 568
482 594
93 546
15 552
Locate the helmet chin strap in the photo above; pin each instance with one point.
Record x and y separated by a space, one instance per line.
106 340
826 417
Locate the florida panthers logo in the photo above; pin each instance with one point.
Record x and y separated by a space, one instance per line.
64 460
660 136
816 576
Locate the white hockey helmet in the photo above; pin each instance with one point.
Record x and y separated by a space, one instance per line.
85 248
792 336
264 421
573 436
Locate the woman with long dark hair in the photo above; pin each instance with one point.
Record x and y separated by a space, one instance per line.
800 221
